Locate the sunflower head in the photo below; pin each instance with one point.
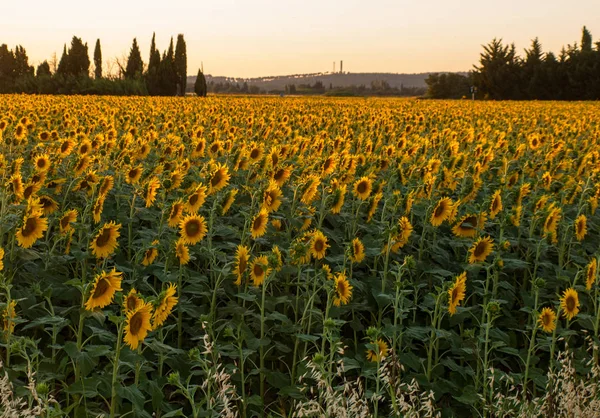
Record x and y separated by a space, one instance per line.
456 293
442 211
259 270
33 229
318 245
164 305
342 288
103 290
480 250
182 252
363 188
378 352
138 324
132 301
590 274
580 227
357 250
219 178
242 256
105 241
259 224
569 303
192 229
547 319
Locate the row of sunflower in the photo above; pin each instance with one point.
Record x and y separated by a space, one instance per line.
457 240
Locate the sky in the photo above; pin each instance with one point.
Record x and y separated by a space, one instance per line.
278 37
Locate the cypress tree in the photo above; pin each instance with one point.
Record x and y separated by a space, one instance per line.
200 87
152 77
63 64
98 60
167 74
79 60
181 64
135 65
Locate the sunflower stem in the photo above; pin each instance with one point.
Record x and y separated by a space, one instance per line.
180 308
115 375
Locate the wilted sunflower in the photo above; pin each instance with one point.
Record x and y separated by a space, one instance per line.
103 291
196 199
219 178
192 229
259 224
362 188
441 212
480 250
33 229
182 252
176 213
547 319
105 241
272 197
259 270
150 254
382 351
456 293
151 190
8 315
357 251
569 303
318 245
66 220
590 274
343 289
241 263
137 325
580 227
132 301
164 306
468 225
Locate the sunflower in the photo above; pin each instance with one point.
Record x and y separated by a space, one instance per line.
569 303
547 319
107 184
137 325
176 213
468 225
272 197
1 257
103 291
580 227
229 201
151 190
382 351
339 193
98 208
362 188
590 274
133 175
259 224
241 263
281 175
405 229
441 212
132 301
105 241
318 245
66 147
259 270
357 251
8 314
219 178
182 252
310 190
196 199
33 229
164 306
343 289
192 229
66 220
150 254
49 205
41 163
16 181
551 223
456 293
277 258
480 250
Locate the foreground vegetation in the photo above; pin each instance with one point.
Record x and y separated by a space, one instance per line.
303 257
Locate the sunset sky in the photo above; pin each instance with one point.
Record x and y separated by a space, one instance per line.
268 37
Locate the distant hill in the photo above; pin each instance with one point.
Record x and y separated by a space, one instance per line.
334 79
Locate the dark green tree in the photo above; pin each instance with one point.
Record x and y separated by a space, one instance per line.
22 67
79 60
498 75
98 60
152 72
586 40
135 65
534 79
200 87
43 70
7 69
167 75
63 64
181 64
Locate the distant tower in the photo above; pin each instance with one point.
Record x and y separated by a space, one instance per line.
341 67
334 66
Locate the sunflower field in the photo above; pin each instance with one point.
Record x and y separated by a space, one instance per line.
293 257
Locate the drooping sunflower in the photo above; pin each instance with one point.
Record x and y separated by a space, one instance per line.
8 315
107 184
138 325
151 190
480 250
176 213
103 291
192 229
318 245
229 201
164 306
456 293
66 220
547 319
363 187
551 223
339 194
219 178
272 197
259 224
98 208
105 241
259 270
382 351
33 229
281 175
569 303
16 181
343 289
277 258
468 225
580 227
357 250
1 258
242 256
196 199
182 252
405 229
132 301
591 273
441 212
150 254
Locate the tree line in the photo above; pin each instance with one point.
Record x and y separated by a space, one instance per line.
504 75
164 75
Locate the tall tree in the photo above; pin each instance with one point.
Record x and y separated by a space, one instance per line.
586 40
497 77
135 65
79 60
200 87
534 81
43 70
97 60
152 73
63 64
167 74
22 67
181 64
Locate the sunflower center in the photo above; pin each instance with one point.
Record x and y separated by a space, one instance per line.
135 323
257 223
28 191
319 245
192 228
454 294
341 287
362 187
279 174
479 249
439 210
103 238
131 303
546 320
254 154
258 270
570 302
193 199
30 227
216 179
101 288
41 163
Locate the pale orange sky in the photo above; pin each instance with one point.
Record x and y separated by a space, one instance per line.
269 37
